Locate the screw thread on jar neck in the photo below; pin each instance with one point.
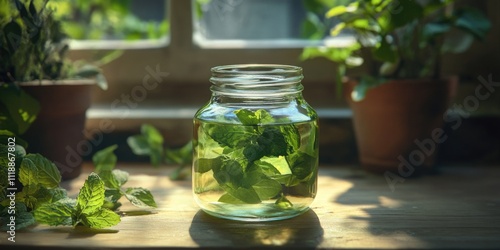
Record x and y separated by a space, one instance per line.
256 80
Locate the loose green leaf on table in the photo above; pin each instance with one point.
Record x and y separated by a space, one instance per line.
44 171
112 199
23 217
140 197
101 218
86 210
89 205
40 199
91 195
114 179
56 214
149 142
105 159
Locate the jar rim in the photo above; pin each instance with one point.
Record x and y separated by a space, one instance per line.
258 69
256 80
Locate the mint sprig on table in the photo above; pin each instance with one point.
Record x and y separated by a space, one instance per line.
256 159
150 143
114 179
40 199
86 210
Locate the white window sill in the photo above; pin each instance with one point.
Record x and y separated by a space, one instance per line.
337 42
184 112
119 44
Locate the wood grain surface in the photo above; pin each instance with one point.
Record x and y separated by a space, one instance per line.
457 208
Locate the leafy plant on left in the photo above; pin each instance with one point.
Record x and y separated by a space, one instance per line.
104 20
33 48
33 45
40 199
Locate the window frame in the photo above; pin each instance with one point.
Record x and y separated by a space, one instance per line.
188 61
187 86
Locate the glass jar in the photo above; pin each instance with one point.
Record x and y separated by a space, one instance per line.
255 145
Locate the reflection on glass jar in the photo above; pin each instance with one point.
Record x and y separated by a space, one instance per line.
255 145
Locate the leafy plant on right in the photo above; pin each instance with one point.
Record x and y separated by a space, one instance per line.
405 37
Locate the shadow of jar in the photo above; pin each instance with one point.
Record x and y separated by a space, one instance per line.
301 231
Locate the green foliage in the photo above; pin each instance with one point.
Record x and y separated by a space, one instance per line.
18 110
114 179
40 199
56 214
32 44
89 205
150 143
32 48
86 210
23 217
256 159
316 25
40 179
112 19
36 169
405 37
140 197
37 185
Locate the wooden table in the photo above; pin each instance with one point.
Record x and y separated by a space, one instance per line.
458 208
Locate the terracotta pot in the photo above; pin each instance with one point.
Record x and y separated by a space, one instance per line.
399 124
57 133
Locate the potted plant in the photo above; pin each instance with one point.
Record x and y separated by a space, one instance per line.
398 105
43 95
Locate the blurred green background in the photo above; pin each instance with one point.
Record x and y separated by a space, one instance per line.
112 19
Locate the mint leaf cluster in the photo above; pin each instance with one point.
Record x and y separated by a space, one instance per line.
150 143
257 160
86 210
37 184
40 199
114 179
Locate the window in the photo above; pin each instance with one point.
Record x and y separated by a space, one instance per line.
207 33
261 23
113 24
249 20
